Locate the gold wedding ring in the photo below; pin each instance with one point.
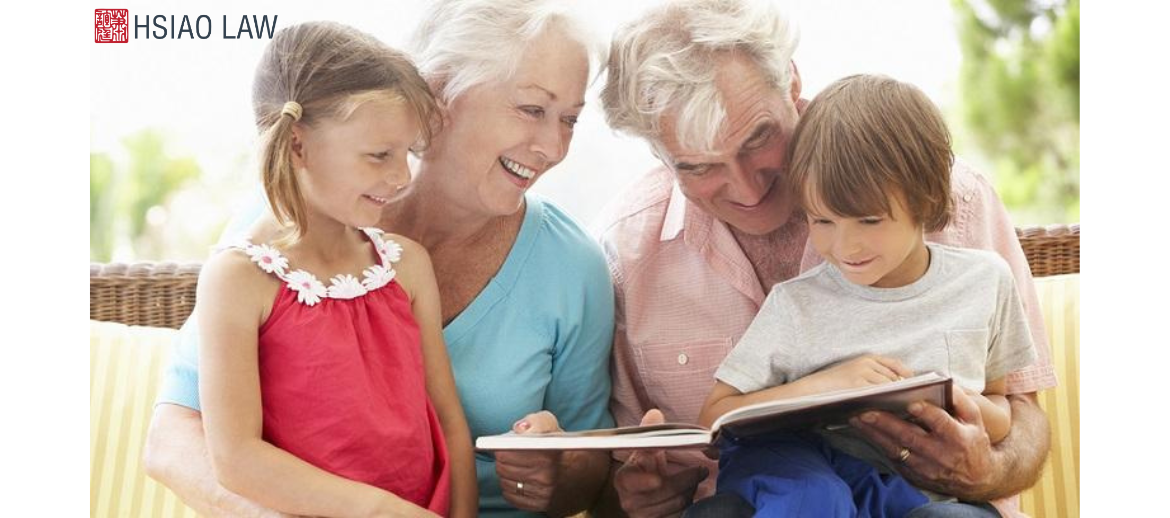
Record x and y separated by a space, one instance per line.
904 454
520 487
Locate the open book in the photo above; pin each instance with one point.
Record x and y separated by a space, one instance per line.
818 410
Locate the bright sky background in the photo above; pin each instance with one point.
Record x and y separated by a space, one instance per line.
198 90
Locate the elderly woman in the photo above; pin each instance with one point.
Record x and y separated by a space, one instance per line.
527 303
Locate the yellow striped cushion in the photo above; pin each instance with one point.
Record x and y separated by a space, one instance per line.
125 364
1058 492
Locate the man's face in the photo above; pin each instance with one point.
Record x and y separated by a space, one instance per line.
739 183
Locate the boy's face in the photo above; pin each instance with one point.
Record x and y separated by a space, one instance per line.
883 251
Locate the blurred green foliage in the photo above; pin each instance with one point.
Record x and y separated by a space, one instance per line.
1020 89
121 198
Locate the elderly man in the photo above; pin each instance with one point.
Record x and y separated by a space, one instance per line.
695 245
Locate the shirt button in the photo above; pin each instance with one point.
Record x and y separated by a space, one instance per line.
967 197
683 359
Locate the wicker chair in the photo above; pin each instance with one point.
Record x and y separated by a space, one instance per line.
163 294
126 365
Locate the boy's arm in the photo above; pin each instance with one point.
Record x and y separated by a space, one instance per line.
858 372
419 280
995 409
230 307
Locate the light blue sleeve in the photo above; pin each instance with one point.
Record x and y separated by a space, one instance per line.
180 383
579 391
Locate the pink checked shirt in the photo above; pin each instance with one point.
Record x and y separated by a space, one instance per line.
686 293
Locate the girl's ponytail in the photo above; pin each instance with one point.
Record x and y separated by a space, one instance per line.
279 174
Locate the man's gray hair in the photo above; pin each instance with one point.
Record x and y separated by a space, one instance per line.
663 63
463 43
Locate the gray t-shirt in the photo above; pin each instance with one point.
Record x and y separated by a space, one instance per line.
963 318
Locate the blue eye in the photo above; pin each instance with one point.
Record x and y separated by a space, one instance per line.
570 121
533 111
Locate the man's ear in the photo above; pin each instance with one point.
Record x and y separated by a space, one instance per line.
795 89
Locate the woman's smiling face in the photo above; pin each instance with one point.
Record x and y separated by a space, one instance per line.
501 137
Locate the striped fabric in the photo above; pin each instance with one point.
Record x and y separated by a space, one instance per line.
1058 492
125 364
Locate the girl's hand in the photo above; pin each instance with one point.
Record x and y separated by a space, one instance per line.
858 372
528 478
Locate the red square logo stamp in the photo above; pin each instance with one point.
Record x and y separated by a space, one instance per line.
111 25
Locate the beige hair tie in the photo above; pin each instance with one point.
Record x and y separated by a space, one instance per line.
292 109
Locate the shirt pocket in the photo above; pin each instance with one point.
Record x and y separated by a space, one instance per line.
967 351
679 376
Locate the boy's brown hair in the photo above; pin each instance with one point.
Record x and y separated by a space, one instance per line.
867 138
330 70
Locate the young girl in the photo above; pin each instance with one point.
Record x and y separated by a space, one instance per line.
338 400
871 163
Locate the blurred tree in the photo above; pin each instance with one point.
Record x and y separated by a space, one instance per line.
124 200
1020 89
101 207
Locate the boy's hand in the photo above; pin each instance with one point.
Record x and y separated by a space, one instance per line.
858 372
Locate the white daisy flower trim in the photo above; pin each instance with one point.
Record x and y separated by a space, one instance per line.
391 251
345 286
267 258
377 276
309 289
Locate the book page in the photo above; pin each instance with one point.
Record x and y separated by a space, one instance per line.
835 408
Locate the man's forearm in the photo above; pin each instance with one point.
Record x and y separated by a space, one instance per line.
1020 456
176 455
1026 446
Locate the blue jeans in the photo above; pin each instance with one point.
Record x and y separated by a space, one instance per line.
801 475
730 505
954 510
722 505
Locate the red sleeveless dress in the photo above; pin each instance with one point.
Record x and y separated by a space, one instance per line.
342 380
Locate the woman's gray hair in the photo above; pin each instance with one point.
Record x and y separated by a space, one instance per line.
663 63
463 43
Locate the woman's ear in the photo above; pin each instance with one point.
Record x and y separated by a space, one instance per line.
794 90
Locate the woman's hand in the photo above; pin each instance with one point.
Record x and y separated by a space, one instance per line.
528 478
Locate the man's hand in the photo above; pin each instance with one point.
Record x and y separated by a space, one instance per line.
528 478
858 372
950 455
648 487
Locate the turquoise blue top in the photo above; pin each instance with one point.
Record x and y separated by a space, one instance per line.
536 338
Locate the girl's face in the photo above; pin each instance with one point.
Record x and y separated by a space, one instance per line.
349 169
885 251
499 138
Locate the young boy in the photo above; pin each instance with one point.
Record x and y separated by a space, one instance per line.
870 163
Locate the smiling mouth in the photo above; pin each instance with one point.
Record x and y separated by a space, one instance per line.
516 169
857 264
376 199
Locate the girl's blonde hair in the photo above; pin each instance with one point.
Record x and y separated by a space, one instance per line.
865 138
324 70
